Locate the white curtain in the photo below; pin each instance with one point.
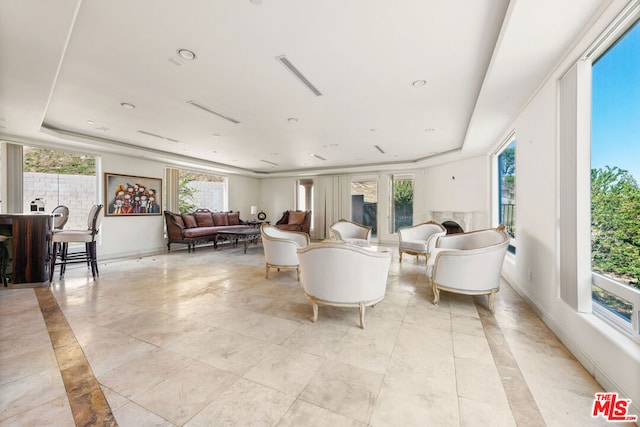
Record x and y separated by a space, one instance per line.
332 196
171 177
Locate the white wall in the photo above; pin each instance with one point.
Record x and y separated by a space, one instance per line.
612 358
461 186
130 235
276 196
244 192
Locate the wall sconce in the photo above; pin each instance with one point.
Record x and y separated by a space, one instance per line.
254 211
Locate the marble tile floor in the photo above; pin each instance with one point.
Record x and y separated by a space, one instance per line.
203 339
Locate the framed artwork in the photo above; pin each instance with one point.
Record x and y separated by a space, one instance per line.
126 195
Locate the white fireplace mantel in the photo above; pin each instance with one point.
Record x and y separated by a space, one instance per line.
464 219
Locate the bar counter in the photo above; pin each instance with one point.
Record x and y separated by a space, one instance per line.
29 246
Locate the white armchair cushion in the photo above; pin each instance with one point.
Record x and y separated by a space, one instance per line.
468 263
338 274
417 240
280 247
350 232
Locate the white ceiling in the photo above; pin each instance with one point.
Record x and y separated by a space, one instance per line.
66 67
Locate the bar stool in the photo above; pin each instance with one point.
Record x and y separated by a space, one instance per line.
62 238
4 259
61 216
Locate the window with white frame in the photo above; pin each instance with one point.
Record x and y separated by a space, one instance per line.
615 181
505 173
401 202
51 178
201 190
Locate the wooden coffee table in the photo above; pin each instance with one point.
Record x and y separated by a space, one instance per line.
247 235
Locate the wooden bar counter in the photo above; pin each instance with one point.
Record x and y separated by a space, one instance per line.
29 246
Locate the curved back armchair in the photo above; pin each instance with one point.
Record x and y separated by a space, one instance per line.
280 248
350 232
342 275
419 239
295 221
468 263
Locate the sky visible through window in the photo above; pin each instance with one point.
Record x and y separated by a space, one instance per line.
615 127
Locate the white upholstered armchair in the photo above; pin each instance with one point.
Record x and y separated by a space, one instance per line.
343 275
280 248
350 232
468 263
419 239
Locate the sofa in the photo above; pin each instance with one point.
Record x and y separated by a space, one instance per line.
295 221
201 226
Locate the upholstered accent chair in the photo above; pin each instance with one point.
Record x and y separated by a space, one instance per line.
342 275
60 240
468 263
295 221
350 232
280 248
419 239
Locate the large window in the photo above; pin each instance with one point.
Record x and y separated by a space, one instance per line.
201 190
60 178
615 178
401 201
507 188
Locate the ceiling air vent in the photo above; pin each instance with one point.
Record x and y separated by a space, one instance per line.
155 135
212 111
289 66
379 149
271 163
318 157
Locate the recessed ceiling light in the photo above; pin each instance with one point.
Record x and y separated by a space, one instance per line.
274 154
90 122
292 120
429 130
127 105
419 83
187 54
102 129
215 135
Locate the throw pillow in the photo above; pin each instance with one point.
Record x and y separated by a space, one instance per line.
297 217
189 221
234 218
203 219
178 220
220 218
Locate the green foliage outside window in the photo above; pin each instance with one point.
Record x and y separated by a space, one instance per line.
186 203
615 225
403 203
41 160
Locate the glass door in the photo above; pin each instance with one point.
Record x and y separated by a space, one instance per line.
364 204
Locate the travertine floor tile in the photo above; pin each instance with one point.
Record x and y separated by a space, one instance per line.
207 340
